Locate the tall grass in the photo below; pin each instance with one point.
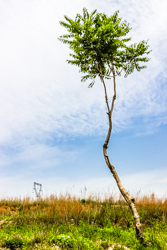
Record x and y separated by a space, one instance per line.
67 208
41 219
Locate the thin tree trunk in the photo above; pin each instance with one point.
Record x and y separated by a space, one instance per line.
125 194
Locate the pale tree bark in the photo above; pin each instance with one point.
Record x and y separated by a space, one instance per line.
130 201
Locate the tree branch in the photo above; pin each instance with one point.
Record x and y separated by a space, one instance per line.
124 67
105 90
114 96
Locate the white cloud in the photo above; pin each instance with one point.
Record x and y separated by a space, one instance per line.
142 183
41 95
28 158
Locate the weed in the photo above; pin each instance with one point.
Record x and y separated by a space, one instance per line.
68 222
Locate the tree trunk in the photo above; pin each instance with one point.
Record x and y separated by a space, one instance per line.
130 201
125 194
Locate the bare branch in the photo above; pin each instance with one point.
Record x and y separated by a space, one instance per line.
105 90
114 96
124 67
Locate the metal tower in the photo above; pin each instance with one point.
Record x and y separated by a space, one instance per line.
39 190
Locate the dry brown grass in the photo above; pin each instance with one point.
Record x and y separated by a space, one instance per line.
67 208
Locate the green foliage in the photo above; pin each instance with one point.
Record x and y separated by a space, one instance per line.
72 242
42 225
13 243
62 240
89 231
100 45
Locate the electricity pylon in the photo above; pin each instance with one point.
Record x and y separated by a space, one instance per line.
37 192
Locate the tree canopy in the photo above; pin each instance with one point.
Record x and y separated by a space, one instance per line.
100 45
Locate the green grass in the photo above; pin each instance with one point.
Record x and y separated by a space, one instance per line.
70 223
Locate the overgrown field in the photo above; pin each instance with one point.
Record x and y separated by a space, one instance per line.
66 222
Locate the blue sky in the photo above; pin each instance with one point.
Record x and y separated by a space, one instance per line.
53 126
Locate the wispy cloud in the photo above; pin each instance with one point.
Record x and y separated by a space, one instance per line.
143 183
43 100
37 157
42 97
42 94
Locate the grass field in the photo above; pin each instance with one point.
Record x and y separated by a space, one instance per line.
67 222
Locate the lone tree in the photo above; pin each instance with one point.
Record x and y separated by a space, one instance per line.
100 50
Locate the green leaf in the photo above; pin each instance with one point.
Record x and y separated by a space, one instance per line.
98 41
91 84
